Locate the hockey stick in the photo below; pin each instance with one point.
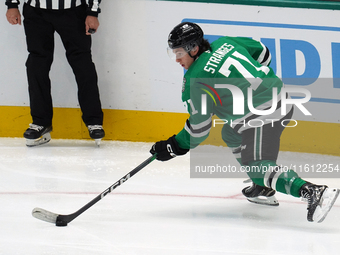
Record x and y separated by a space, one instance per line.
63 220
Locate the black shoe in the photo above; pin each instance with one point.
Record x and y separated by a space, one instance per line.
96 131
260 195
320 200
35 131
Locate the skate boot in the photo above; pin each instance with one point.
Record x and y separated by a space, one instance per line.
96 132
37 135
320 200
260 195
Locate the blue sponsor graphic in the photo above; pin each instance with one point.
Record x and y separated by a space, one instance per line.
288 49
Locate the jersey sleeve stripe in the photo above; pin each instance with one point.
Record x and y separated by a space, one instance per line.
265 56
198 130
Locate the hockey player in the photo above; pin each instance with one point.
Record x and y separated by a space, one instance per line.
238 64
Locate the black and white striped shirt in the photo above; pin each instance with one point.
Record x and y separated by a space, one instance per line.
93 5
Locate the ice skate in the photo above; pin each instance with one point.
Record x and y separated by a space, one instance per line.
37 135
96 132
260 195
320 200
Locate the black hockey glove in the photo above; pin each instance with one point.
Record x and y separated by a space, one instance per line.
167 149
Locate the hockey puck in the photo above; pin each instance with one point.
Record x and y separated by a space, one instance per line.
61 223
91 30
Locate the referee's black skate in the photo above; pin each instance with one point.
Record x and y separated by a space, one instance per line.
260 195
37 135
320 200
96 132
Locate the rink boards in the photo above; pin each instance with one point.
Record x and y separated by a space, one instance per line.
146 126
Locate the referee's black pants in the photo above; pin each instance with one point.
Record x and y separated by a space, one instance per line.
40 25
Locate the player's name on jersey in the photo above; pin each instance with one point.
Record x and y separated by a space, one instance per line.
217 56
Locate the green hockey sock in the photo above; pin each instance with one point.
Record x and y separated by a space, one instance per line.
267 173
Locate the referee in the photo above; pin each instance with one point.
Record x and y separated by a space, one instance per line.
74 21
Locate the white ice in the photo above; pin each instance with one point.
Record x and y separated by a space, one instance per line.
160 210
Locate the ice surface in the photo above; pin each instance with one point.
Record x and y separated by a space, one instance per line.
160 210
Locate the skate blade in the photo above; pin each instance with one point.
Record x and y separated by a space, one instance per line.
97 141
39 141
328 199
261 200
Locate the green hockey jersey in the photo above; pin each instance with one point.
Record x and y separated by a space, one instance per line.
233 82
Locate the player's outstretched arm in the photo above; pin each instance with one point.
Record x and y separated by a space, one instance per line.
167 149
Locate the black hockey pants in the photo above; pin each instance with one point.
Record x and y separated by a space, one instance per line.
40 26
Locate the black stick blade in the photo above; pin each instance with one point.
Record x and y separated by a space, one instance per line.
45 215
